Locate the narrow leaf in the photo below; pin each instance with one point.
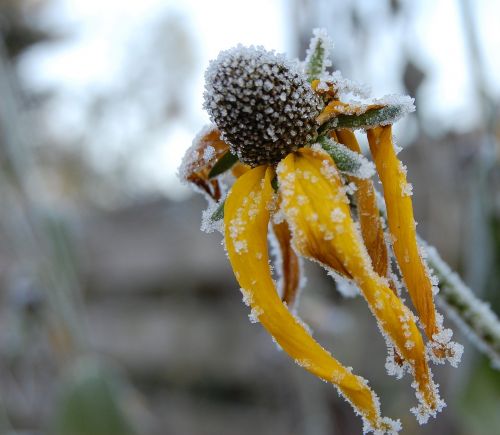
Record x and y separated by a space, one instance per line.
371 118
223 164
317 55
346 160
218 214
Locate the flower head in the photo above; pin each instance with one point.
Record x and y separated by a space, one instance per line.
294 166
261 103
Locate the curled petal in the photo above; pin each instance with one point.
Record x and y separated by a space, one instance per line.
397 194
199 160
310 184
246 217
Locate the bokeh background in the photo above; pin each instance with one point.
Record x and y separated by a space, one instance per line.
117 315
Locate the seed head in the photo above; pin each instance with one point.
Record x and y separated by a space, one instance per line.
262 104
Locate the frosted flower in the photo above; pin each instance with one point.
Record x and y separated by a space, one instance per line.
299 183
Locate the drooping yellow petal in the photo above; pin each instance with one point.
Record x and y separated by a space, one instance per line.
290 267
370 222
397 194
368 212
246 219
311 186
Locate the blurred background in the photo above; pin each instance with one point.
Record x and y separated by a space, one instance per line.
117 315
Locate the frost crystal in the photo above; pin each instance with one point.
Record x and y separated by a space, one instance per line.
208 224
262 104
346 287
254 314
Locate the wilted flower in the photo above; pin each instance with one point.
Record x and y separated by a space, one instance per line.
285 130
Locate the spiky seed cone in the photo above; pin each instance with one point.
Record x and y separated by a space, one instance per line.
262 104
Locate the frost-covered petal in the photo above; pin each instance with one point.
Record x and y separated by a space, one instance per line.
246 218
372 232
397 194
199 160
289 263
368 212
311 174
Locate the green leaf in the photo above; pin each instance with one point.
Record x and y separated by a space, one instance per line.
315 61
223 164
371 118
346 160
218 214
274 183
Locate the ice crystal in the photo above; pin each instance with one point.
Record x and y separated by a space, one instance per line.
208 223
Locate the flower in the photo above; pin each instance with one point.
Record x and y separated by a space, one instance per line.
286 133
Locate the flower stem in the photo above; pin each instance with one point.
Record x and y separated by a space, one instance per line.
474 316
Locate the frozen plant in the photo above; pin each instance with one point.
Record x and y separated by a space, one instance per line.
284 133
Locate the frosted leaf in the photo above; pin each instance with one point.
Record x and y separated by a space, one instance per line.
227 161
404 103
318 55
372 117
349 162
473 316
209 224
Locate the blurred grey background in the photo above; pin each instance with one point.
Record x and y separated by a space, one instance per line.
117 315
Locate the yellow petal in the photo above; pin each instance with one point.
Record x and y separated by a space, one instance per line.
290 267
310 185
246 219
239 169
370 222
368 212
397 194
